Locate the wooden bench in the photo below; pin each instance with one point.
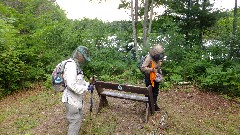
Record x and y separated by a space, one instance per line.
128 92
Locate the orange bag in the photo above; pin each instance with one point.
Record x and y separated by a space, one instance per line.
152 74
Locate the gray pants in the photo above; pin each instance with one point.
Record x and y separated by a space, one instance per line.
74 117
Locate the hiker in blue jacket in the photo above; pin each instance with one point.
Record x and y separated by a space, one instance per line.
76 86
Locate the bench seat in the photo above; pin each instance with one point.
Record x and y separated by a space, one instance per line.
125 96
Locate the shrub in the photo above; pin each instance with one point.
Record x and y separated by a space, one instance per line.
218 79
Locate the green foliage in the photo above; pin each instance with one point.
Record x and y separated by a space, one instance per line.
25 50
227 37
222 80
11 68
110 64
36 35
194 18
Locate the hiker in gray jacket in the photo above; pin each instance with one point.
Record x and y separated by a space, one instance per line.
76 85
155 57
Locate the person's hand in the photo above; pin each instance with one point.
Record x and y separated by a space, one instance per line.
160 71
91 87
91 80
154 70
87 83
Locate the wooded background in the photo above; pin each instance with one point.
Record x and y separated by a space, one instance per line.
202 44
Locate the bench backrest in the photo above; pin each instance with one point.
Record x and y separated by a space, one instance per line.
104 89
121 87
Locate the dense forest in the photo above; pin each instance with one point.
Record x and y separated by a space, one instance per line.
201 43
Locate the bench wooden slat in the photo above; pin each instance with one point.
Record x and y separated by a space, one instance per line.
122 87
125 96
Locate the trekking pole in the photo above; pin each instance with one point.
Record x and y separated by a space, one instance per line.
92 82
91 106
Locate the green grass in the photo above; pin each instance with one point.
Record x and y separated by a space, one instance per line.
190 112
21 113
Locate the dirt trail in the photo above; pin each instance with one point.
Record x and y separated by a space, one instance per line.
184 110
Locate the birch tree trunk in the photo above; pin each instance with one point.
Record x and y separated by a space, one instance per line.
150 21
145 23
136 16
134 31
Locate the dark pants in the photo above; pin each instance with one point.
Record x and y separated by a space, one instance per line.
155 89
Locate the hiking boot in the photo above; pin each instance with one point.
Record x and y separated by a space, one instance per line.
156 108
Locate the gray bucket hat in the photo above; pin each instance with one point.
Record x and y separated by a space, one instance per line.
157 52
84 51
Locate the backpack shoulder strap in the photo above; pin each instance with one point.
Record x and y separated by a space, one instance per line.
64 64
79 71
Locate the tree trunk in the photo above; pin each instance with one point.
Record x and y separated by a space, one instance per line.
134 30
150 22
145 23
201 26
233 48
136 33
188 19
150 19
136 15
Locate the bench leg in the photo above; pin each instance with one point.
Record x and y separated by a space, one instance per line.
147 112
103 103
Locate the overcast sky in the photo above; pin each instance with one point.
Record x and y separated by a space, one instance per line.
107 11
